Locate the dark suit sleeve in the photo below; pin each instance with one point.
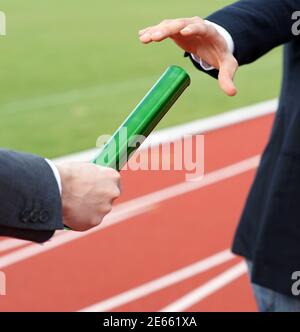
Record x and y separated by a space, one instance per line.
256 26
30 199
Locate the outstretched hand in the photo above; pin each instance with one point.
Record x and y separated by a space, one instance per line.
197 37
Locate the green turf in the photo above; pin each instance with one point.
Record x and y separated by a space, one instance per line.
72 70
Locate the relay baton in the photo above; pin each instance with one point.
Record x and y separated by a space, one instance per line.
143 119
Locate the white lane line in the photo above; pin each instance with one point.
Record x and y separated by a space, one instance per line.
161 283
135 207
192 128
8 244
187 187
212 123
66 237
207 289
72 96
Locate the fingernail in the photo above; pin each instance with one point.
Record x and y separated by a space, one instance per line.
145 37
142 31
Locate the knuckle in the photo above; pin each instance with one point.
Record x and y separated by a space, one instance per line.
93 222
101 196
106 209
96 221
110 194
197 19
116 193
235 62
198 27
205 30
113 173
231 61
116 175
99 220
181 21
194 27
213 31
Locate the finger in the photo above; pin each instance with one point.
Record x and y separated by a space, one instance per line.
148 29
227 71
145 35
166 30
141 32
146 38
200 29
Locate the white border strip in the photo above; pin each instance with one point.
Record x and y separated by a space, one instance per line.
207 289
162 282
8 244
192 128
212 123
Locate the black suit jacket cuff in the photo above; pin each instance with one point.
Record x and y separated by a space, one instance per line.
213 73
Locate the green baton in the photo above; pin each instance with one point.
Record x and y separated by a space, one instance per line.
144 118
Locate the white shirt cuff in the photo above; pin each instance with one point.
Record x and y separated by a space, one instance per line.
202 63
229 41
56 174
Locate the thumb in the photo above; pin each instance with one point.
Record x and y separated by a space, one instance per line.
227 71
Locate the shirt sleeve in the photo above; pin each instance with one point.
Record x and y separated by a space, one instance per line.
229 41
56 174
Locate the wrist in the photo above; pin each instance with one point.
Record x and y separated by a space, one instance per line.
65 175
225 34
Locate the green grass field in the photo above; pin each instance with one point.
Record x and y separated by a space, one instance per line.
72 70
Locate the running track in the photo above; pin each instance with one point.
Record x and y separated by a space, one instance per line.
164 247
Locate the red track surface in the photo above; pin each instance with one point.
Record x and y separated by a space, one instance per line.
170 236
